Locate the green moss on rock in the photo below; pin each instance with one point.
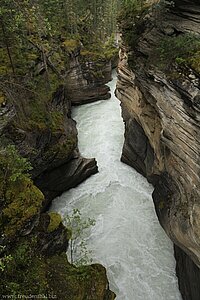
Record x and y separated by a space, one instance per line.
29 272
95 56
26 273
71 283
57 121
24 202
20 199
71 45
55 220
35 279
194 61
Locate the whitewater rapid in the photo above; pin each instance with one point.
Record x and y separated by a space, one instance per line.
127 238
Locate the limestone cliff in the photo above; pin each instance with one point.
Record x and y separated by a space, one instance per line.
87 77
36 124
158 86
89 70
44 133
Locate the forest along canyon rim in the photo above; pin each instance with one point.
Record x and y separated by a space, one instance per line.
127 238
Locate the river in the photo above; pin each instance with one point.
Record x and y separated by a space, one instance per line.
127 237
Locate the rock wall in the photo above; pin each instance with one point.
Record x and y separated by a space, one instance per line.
188 275
160 108
33 243
87 77
39 266
49 140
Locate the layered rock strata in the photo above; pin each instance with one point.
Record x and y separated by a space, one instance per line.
87 77
160 108
33 243
49 141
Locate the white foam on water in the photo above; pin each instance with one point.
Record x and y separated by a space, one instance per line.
127 237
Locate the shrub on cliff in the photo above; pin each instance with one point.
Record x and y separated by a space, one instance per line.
183 50
38 265
79 254
129 19
13 167
20 200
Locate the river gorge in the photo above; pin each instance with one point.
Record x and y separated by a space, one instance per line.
127 237
128 159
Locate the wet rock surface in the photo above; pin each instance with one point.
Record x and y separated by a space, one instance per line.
87 78
161 115
50 146
44 133
53 183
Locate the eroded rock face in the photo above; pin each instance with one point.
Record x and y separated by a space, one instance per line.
188 274
49 140
46 269
44 133
162 119
52 183
87 78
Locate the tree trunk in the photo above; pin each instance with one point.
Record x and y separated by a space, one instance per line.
7 45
